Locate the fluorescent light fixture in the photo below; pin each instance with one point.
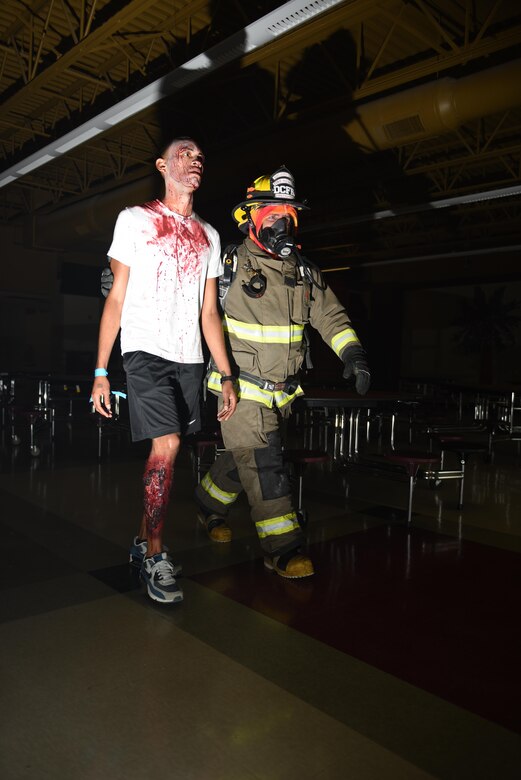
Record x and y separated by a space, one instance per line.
131 106
201 62
444 256
259 33
457 200
433 205
78 139
30 166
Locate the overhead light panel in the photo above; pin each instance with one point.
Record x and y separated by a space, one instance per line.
444 256
443 203
86 135
7 180
32 164
418 208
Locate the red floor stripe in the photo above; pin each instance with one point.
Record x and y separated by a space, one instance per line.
438 613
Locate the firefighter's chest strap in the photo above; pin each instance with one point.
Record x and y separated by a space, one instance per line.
257 283
230 264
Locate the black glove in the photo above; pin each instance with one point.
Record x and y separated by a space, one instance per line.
107 280
356 365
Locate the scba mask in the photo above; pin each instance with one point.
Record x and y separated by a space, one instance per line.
275 229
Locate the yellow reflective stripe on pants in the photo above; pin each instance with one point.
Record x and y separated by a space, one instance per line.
343 339
220 495
277 525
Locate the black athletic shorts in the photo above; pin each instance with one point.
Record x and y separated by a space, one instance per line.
163 396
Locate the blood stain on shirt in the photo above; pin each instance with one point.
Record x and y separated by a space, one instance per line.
183 241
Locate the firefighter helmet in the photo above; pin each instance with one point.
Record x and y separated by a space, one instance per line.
267 190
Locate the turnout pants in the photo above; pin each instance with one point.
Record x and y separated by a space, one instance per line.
253 462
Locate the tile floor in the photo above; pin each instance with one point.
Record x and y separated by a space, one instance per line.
400 659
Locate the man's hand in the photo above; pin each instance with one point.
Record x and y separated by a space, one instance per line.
101 396
229 400
355 363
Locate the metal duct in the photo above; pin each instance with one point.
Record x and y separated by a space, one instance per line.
435 108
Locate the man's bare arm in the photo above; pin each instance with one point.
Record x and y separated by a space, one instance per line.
212 328
108 331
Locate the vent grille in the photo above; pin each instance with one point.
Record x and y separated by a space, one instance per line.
308 11
402 128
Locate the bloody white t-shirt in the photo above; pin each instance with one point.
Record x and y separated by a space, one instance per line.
170 257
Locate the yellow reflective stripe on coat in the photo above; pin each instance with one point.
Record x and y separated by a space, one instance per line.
244 389
214 381
264 334
251 392
343 339
277 525
220 495
282 399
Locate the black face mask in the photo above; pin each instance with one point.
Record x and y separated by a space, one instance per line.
279 238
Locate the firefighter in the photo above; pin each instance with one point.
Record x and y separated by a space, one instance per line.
269 293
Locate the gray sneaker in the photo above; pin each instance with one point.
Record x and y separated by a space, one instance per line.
138 550
157 572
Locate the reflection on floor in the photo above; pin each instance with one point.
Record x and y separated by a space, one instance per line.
395 599
399 659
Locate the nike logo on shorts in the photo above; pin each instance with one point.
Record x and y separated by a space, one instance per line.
191 422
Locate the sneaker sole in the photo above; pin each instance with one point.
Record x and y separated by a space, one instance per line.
173 598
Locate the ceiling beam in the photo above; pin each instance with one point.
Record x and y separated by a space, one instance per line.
274 25
93 39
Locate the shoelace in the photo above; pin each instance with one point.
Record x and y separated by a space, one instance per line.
164 571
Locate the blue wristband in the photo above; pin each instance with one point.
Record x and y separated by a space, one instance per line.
101 372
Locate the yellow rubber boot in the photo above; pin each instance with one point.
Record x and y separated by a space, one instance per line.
297 566
216 528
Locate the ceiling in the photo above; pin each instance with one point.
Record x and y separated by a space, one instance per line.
400 119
